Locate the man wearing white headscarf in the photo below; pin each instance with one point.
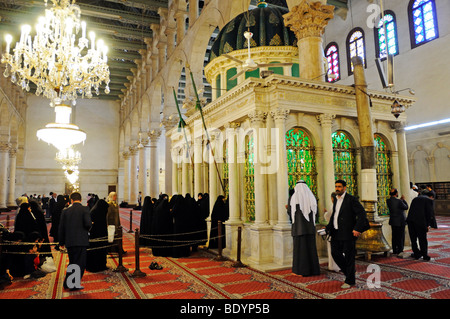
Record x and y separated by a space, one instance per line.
302 210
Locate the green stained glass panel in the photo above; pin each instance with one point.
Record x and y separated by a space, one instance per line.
345 161
384 174
301 161
249 180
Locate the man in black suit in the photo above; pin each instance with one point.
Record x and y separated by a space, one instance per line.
397 220
346 224
74 226
420 219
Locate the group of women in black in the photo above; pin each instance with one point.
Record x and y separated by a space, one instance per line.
176 227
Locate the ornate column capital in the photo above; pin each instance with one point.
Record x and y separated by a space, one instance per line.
325 119
12 152
154 135
133 150
169 122
257 116
309 18
126 155
280 114
4 147
398 127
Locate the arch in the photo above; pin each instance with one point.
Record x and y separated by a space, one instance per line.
386 43
356 46
333 60
423 23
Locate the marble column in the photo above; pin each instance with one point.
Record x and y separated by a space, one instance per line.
142 177
12 178
326 122
282 237
4 149
213 178
126 176
133 176
198 161
308 21
261 236
403 160
257 119
154 169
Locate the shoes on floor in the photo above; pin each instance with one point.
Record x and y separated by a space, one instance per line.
426 258
155 266
346 286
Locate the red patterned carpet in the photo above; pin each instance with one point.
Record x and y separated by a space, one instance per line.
201 277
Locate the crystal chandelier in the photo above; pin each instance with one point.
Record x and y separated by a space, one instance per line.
71 173
68 157
53 61
61 134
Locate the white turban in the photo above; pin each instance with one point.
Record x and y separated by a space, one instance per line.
305 199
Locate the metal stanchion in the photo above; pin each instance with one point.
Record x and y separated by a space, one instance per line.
120 267
219 243
238 262
137 272
131 222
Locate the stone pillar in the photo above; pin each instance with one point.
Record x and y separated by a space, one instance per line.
257 119
282 237
133 176
12 178
280 116
213 182
193 12
198 161
180 17
154 169
142 177
308 21
126 176
234 220
186 162
260 231
326 121
403 161
4 149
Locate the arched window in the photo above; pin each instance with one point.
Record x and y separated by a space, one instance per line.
355 47
301 160
332 56
384 173
386 38
423 23
249 179
344 157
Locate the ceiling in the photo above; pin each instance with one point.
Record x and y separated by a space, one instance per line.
122 24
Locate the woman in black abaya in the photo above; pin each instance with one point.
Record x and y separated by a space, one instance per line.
96 257
181 226
56 216
219 212
146 221
162 229
39 214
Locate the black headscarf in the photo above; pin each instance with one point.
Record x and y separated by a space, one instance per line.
162 228
219 212
25 220
146 220
96 257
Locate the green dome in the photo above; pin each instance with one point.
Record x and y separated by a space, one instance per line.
265 22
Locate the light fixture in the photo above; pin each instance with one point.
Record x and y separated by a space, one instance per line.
68 157
71 173
53 61
397 109
61 134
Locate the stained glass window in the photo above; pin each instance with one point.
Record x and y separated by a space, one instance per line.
345 161
355 47
332 56
301 161
231 83
384 173
387 43
249 180
423 21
